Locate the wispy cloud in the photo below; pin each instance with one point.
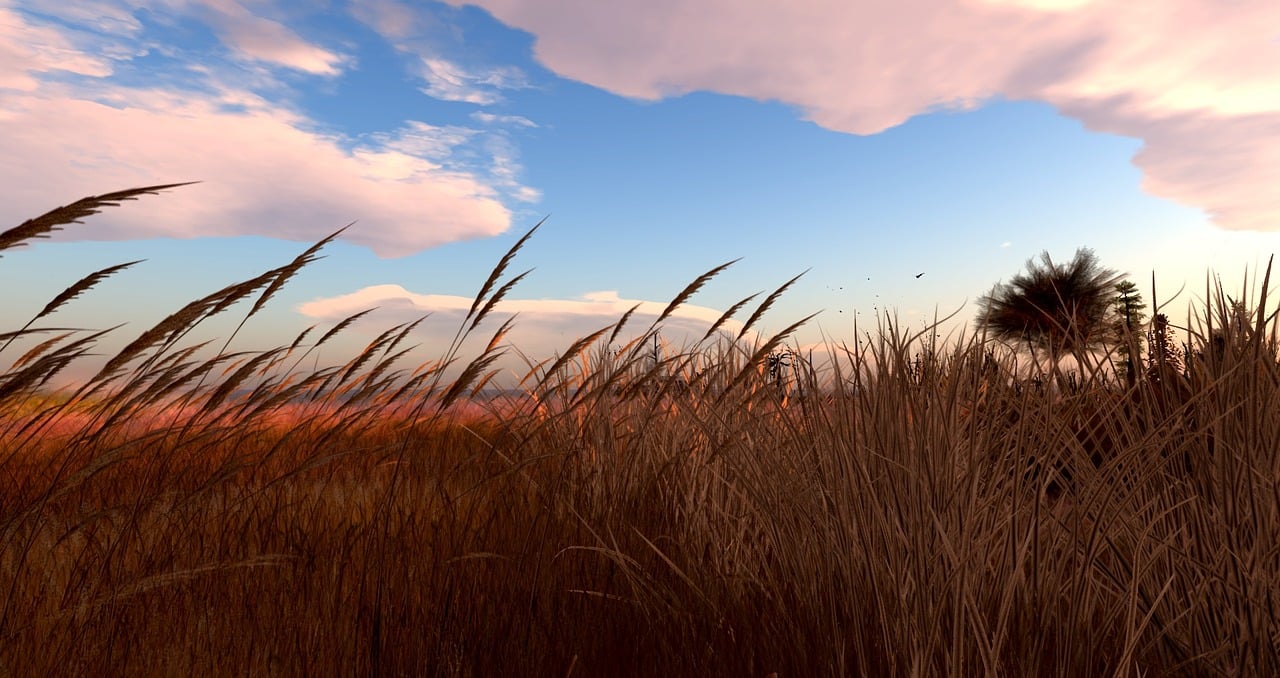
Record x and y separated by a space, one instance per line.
593 308
542 325
505 169
1198 84
394 20
509 120
263 175
29 49
413 30
267 169
448 81
263 39
425 140
104 17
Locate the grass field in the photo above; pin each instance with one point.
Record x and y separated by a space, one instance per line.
911 509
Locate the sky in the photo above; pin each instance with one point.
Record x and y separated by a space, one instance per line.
866 143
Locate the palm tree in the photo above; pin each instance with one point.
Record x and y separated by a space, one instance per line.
1060 309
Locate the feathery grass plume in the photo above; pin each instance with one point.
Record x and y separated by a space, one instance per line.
411 384
1262 318
181 357
477 367
621 323
43 225
39 349
330 388
371 383
724 317
501 268
767 304
37 330
177 324
762 353
500 334
168 377
275 400
481 384
387 361
79 287
405 333
287 272
46 367
570 353
298 340
497 297
228 385
683 296
314 382
623 372
136 392
692 289
367 354
281 276
238 292
181 354
470 373
342 325
333 331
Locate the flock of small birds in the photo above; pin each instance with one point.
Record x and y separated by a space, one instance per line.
918 276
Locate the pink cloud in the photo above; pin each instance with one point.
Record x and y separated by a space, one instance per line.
263 39
593 308
1198 82
542 326
263 173
394 20
27 49
415 32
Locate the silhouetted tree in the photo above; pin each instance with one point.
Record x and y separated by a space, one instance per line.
1129 318
1061 309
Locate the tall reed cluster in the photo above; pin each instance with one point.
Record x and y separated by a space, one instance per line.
912 508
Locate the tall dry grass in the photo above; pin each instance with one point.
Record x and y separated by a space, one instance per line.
915 508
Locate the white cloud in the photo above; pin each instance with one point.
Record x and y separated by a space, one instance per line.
505 170
266 169
426 140
1197 82
391 19
414 31
509 120
263 174
542 326
595 309
27 49
101 16
449 81
260 38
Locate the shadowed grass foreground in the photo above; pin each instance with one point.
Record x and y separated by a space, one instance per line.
916 509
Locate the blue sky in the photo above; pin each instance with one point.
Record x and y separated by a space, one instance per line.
865 143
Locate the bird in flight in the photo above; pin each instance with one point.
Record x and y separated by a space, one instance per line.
918 275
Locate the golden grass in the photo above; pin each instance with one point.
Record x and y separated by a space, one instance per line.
921 510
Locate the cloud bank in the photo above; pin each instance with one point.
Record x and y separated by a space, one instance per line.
95 100
1198 81
542 326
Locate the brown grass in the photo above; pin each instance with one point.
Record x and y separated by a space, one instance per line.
921 510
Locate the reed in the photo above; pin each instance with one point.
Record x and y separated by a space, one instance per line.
913 507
